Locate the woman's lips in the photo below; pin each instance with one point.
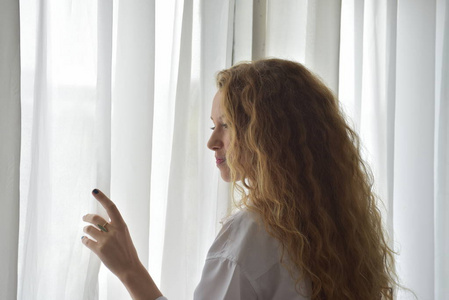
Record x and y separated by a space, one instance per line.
220 160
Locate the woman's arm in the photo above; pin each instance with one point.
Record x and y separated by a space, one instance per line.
140 285
116 250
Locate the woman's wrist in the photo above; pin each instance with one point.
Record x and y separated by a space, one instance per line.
139 284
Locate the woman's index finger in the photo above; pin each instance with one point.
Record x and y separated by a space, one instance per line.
110 206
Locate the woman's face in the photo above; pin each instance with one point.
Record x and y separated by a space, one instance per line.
220 138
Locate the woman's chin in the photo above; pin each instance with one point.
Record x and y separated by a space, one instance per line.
225 176
225 172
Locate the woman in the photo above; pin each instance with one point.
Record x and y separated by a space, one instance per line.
308 228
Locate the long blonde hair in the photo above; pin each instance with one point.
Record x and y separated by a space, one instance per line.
300 163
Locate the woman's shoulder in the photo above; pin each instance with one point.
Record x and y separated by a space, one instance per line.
244 240
244 246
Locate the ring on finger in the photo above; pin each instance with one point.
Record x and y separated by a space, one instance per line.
103 227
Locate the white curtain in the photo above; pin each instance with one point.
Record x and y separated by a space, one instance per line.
117 95
102 118
9 146
393 84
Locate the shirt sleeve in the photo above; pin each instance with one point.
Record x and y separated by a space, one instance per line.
223 279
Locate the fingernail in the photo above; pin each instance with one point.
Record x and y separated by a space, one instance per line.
96 191
82 237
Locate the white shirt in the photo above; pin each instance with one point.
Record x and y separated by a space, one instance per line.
243 263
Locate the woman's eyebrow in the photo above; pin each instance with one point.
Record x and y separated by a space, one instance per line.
220 117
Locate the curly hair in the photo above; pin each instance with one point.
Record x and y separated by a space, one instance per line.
299 161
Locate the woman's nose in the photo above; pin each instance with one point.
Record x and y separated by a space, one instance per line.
214 142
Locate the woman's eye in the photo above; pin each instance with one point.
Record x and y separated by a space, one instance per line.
222 125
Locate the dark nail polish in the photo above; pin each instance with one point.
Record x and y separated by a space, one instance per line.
82 237
96 191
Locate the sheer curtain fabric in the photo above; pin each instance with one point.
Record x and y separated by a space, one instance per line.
117 95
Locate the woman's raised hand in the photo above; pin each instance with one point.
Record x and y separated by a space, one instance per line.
113 243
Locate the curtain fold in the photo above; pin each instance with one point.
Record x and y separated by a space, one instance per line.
9 145
192 198
323 40
414 178
132 123
442 151
351 59
94 284
367 88
60 166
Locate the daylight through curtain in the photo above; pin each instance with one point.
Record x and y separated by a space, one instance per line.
117 95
